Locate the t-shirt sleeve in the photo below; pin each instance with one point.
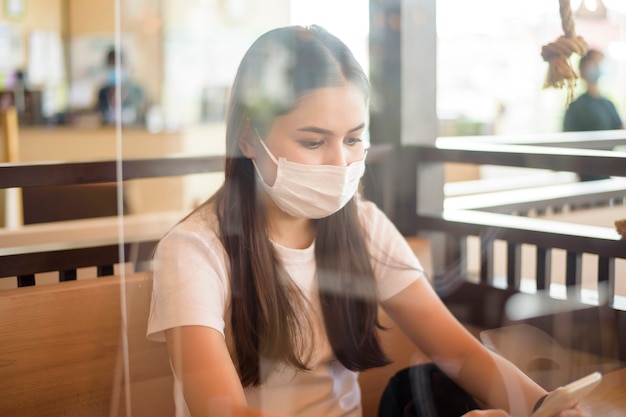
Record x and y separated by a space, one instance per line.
395 264
190 281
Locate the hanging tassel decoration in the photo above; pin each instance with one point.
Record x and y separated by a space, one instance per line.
557 54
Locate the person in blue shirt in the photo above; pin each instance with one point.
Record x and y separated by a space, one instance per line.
132 96
591 110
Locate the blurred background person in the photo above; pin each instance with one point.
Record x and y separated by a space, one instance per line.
591 110
133 97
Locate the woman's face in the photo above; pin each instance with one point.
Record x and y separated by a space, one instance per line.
325 128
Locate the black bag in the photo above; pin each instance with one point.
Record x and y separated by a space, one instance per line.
424 391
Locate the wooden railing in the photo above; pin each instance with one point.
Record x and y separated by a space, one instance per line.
604 242
399 197
25 261
544 197
599 329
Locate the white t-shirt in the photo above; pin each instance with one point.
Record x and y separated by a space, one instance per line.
191 287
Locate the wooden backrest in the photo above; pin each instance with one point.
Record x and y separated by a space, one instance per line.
62 351
69 202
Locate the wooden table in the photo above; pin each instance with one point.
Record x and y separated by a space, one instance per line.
609 398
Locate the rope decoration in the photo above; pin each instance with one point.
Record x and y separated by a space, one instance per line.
560 72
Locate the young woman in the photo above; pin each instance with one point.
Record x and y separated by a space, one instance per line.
267 294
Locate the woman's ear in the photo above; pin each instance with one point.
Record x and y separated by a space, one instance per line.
246 141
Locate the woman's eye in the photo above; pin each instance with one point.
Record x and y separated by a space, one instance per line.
353 141
311 144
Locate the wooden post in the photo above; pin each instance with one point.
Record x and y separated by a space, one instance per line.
10 132
13 196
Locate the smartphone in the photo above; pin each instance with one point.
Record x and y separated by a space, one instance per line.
568 396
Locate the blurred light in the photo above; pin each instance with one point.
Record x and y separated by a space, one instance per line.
150 20
617 50
591 5
616 5
304 12
591 9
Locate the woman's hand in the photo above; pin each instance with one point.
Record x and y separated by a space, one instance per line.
571 412
487 413
575 411
558 404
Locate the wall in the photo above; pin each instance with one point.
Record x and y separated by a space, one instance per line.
75 19
140 35
94 16
38 15
145 195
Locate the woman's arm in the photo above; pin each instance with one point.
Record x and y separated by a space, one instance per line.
210 381
423 317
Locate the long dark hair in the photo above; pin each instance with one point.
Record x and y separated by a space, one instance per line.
278 68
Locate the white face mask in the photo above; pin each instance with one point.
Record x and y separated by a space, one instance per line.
312 191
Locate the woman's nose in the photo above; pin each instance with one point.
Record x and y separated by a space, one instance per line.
337 156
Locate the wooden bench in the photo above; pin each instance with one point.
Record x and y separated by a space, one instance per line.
63 352
68 202
71 349
57 245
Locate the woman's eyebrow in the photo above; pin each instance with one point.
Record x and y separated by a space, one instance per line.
314 129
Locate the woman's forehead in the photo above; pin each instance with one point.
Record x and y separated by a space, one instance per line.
339 106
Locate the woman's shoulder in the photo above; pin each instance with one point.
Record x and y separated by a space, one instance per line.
369 212
366 207
200 226
374 221
203 218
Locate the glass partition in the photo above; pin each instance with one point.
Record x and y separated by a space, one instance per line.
198 47
136 80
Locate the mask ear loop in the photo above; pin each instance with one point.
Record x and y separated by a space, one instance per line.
269 153
256 168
